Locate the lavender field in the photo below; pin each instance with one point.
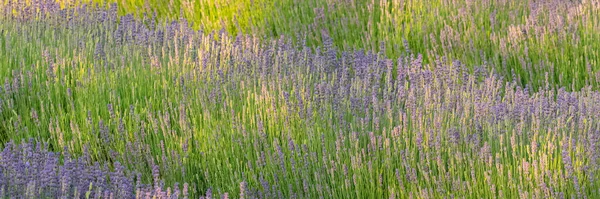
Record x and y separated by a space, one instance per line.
103 101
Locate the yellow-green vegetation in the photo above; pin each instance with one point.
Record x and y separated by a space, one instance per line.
529 40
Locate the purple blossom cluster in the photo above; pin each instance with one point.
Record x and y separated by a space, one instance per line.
30 170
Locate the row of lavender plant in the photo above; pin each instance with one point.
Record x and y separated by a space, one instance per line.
30 170
251 118
527 38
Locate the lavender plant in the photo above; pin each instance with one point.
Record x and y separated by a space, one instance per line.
29 170
526 38
240 116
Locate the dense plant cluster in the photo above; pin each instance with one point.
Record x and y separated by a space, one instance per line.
527 38
163 105
29 170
